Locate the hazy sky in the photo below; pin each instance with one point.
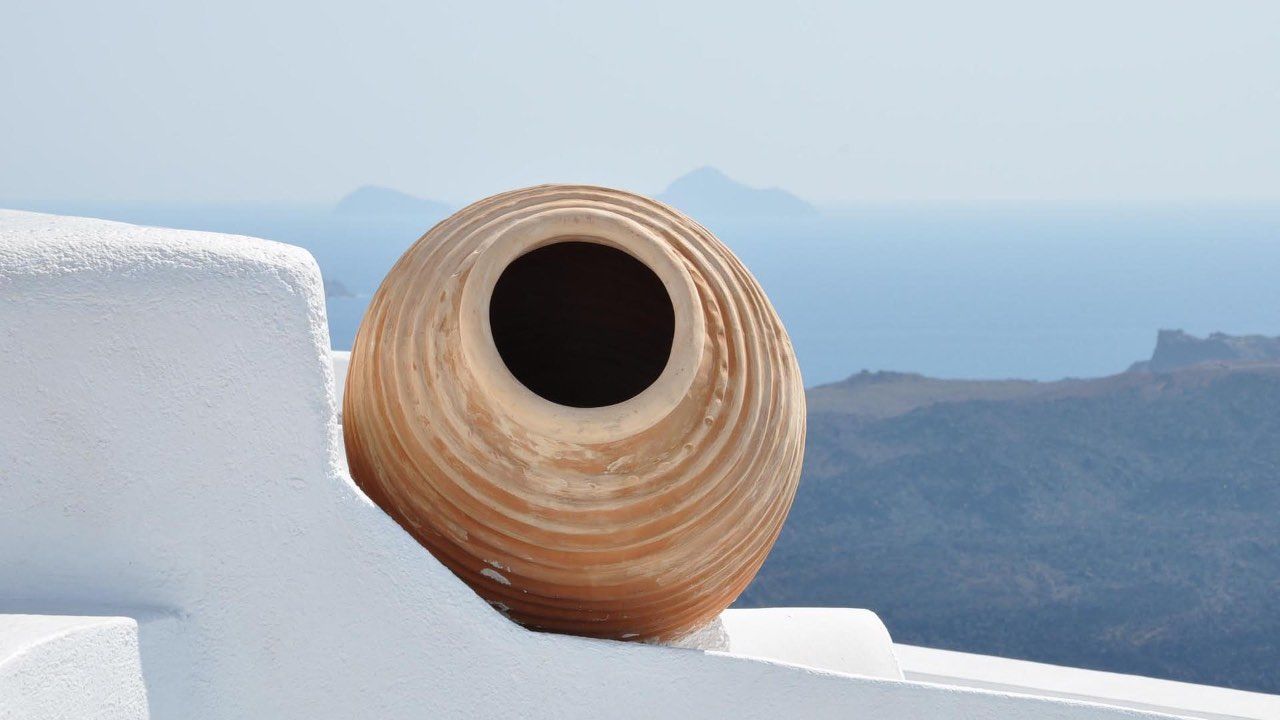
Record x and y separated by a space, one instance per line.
841 102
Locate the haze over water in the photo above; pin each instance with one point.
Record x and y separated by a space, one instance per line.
996 292
976 291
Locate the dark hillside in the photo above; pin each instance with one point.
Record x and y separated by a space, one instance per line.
1129 523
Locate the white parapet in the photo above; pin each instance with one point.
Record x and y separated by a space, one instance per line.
1140 693
58 666
850 641
169 451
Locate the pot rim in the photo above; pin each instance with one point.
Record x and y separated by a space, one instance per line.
562 422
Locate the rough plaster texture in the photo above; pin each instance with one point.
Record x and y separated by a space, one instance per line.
169 452
57 666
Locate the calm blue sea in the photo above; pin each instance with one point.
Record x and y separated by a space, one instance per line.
977 292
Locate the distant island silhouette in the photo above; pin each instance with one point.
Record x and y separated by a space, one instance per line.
708 192
334 288
375 200
703 193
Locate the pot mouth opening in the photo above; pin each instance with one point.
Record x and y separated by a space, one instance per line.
582 324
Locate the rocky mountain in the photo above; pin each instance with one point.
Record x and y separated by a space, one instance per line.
1176 349
707 192
372 200
1128 523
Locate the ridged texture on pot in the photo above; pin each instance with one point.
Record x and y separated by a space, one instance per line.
641 520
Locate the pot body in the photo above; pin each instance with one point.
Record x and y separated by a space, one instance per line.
640 519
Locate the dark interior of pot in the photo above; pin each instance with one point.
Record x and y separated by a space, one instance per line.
582 324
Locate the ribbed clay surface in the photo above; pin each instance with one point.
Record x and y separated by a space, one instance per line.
640 520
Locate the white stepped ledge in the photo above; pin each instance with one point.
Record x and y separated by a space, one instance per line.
170 443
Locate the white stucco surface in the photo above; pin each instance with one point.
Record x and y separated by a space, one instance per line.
1143 693
85 668
851 641
169 451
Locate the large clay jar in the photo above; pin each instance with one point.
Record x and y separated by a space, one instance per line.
580 402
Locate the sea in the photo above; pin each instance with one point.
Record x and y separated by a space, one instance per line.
994 290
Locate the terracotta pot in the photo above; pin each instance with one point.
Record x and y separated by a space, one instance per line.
581 403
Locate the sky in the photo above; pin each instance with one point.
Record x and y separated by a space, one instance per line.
840 102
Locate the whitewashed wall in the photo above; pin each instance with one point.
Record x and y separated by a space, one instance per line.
169 452
85 668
